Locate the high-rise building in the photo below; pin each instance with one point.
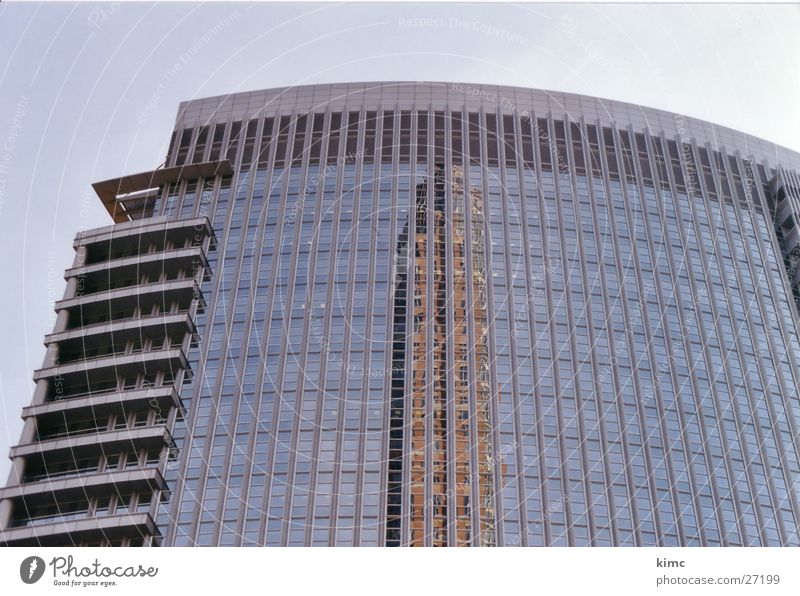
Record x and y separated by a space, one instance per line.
426 314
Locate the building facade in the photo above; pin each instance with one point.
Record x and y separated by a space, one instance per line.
426 314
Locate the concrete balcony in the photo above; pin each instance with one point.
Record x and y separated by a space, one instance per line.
106 403
189 258
66 533
167 322
174 289
143 231
165 359
131 438
77 484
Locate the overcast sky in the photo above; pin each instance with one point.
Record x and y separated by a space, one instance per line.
90 92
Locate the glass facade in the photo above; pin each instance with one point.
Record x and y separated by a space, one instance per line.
441 317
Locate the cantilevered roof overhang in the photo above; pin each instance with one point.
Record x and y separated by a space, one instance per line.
125 197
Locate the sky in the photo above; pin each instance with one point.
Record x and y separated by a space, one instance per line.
90 92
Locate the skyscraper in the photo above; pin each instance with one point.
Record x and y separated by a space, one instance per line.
426 314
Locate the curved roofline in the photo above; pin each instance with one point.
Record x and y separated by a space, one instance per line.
549 92
508 98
